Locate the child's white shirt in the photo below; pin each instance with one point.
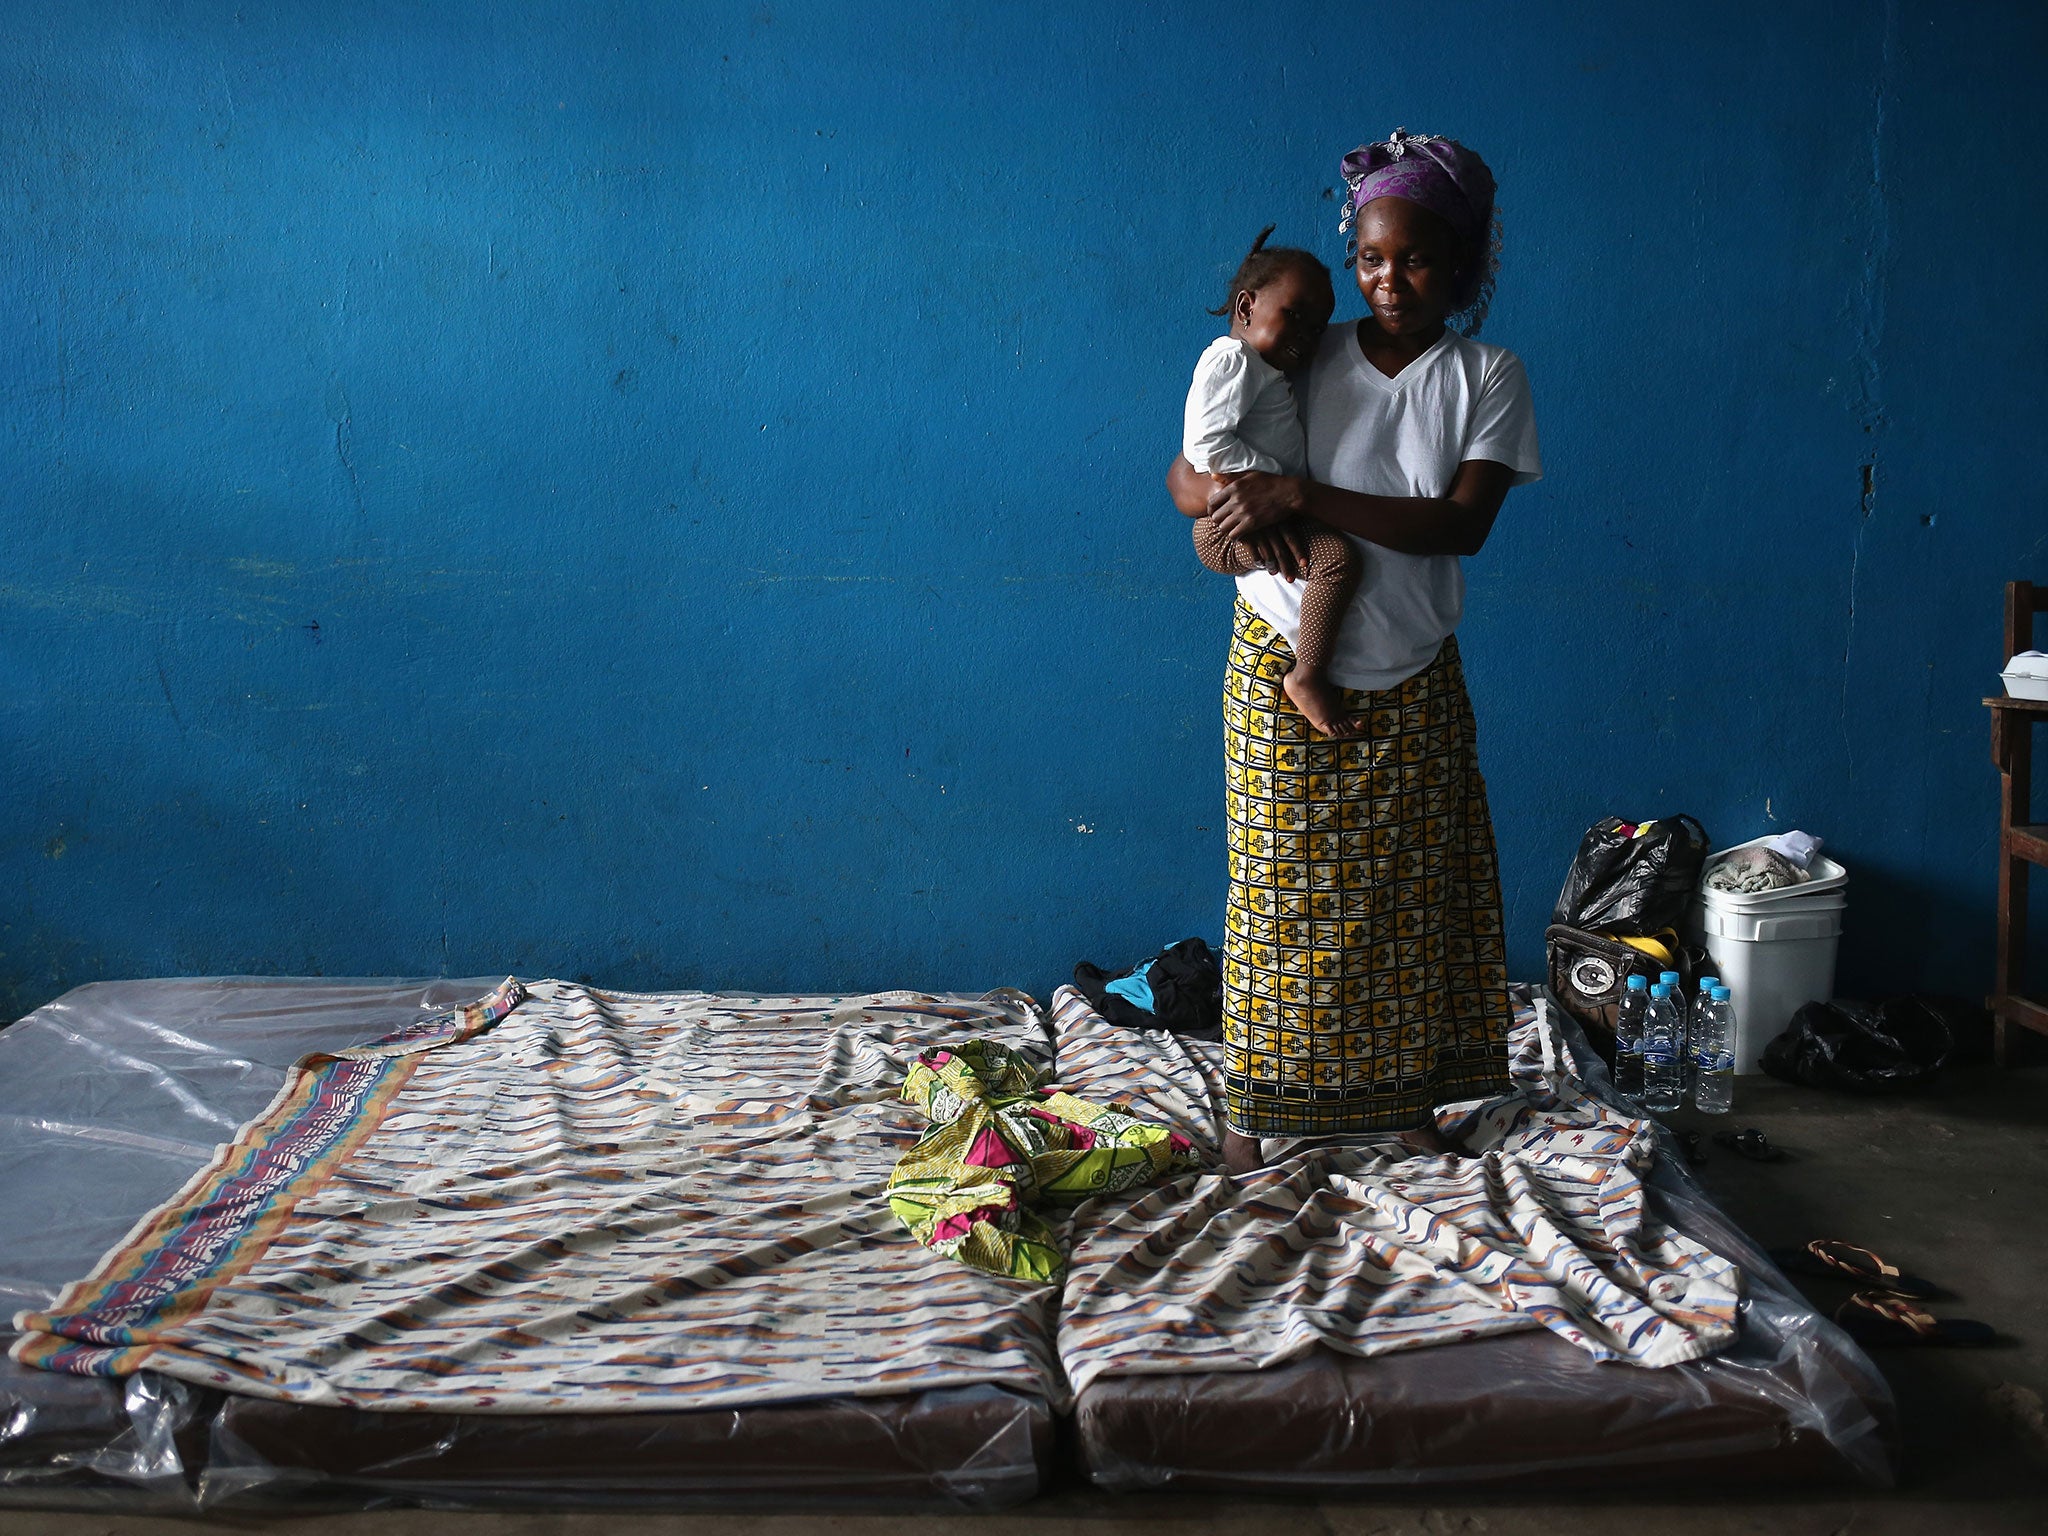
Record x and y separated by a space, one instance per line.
1241 415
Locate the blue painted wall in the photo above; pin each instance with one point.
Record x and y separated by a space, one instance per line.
672 493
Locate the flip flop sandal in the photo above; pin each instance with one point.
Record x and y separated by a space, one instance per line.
1878 1317
1751 1143
1837 1260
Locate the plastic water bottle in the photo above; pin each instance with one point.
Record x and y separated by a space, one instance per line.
1663 1041
1693 1016
1628 1036
1714 1055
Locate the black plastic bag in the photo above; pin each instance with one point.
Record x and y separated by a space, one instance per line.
1862 1047
1632 877
1187 992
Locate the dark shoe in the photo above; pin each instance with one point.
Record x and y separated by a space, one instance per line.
1751 1143
1845 1261
1880 1317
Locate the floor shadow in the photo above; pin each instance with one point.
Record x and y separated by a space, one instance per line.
1943 1183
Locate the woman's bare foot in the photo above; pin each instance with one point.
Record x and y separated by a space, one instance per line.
1241 1153
1322 701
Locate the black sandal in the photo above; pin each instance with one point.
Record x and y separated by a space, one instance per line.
1879 1317
1751 1143
1838 1260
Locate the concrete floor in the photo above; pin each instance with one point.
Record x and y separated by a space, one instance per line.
1953 1185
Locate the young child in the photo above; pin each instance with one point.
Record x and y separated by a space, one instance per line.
1241 415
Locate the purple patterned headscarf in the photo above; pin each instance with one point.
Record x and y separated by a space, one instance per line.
1440 174
1449 180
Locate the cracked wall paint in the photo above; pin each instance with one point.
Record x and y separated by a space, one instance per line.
1868 300
482 495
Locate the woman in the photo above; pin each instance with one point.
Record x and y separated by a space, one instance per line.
1365 975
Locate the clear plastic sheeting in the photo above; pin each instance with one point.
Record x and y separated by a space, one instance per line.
114 1095
1792 1401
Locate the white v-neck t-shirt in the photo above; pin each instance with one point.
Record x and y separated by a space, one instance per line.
1404 436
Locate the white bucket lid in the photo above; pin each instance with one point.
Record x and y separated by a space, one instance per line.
1828 876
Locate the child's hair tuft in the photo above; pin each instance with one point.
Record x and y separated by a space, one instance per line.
1265 262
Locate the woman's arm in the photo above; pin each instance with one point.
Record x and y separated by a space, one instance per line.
1188 487
1281 548
1453 524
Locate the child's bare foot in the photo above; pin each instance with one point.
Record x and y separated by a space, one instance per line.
1241 1153
1322 701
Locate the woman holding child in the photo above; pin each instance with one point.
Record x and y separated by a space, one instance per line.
1365 977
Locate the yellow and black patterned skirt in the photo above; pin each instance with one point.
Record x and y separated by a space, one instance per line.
1364 970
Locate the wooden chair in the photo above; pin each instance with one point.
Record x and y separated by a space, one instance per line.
2021 842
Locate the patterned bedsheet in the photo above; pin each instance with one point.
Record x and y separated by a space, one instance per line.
1370 1249
565 1199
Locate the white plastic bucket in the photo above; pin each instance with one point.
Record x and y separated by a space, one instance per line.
1773 958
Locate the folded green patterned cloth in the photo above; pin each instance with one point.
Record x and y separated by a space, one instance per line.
1000 1141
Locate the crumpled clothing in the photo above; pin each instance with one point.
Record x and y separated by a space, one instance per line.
1180 989
1001 1140
1754 869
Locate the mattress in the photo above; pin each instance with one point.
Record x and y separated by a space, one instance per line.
784 1337
1274 1352
117 1097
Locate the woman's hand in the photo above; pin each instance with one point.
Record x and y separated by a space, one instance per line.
1255 502
1282 549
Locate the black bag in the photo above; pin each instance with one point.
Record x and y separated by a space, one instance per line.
1862 1047
1187 992
1633 877
1589 972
